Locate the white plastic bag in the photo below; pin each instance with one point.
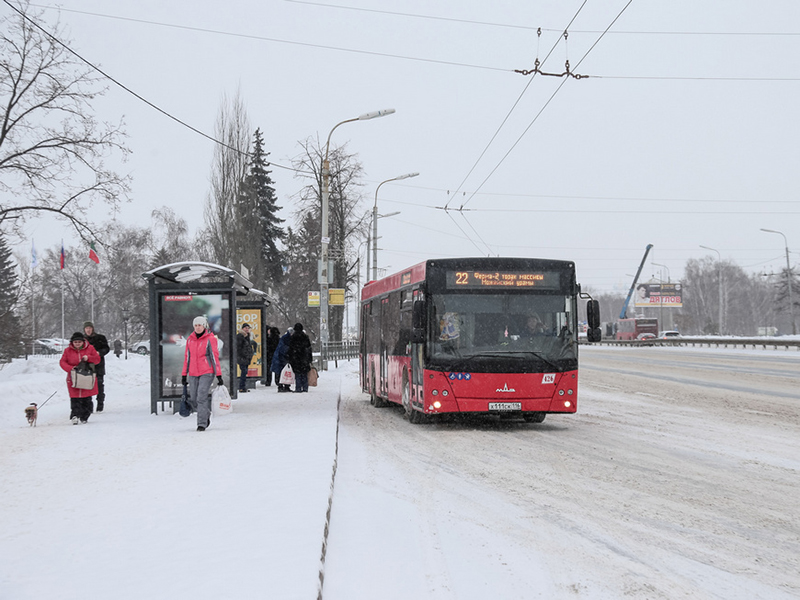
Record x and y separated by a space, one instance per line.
221 401
287 375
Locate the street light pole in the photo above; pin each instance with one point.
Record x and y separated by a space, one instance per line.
324 276
719 262
125 317
375 222
788 278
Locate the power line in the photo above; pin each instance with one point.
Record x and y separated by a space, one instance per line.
279 41
130 91
597 198
534 28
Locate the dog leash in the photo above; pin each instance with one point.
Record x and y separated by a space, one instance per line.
51 395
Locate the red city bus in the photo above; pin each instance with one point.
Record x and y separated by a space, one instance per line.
631 329
473 335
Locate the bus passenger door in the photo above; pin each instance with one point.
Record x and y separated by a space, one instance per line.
362 343
383 385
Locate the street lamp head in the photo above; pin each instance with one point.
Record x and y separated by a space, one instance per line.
770 230
407 176
376 114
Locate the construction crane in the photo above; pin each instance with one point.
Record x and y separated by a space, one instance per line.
624 310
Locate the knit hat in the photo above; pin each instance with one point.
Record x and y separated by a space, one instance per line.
246 325
201 320
77 336
298 327
88 324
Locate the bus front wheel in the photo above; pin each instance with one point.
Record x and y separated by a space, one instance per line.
414 416
534 417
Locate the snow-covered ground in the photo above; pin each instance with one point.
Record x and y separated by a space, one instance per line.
655 489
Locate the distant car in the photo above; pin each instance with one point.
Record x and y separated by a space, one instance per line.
642 337
665 335
142 347
51 345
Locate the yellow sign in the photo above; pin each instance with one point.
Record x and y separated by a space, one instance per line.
313 298
336 297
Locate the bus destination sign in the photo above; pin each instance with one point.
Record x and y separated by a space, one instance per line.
503 279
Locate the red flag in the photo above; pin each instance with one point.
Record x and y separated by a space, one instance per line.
93 254
63 256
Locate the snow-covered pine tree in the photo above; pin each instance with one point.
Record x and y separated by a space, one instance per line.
258 208
10 326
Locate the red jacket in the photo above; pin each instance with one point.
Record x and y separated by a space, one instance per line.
70 360
201 355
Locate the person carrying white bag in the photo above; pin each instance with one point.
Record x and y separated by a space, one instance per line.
200 365
280 358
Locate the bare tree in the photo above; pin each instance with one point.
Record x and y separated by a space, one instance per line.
52 149
224 232
348 222
170 238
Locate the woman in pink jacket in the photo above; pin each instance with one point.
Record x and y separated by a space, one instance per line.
200 365
80 400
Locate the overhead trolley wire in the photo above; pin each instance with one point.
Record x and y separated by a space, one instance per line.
525 131
513 107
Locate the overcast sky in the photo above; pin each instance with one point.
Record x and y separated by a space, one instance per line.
683 134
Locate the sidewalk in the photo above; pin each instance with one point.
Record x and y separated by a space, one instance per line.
135 505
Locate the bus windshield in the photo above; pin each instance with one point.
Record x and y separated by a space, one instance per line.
512 327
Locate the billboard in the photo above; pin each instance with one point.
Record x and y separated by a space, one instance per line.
658 294
177 313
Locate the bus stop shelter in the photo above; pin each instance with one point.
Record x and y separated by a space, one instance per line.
178 293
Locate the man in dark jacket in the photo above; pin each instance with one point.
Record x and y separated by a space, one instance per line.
100 343
273 337
300 357
244 354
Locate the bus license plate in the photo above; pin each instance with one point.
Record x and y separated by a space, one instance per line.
505 405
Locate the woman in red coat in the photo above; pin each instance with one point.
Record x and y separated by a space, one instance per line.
80 400
200 365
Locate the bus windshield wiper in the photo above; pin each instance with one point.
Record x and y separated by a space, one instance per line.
502 354
538 355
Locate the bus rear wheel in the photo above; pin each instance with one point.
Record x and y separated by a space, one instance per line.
374 399
534 417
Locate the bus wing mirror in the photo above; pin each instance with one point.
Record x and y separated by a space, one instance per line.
594 335
593 314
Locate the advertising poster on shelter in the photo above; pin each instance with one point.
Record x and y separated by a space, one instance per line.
177 313
252 316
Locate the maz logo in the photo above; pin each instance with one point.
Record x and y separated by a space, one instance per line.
506 389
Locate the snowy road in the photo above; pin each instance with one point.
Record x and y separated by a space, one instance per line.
677 478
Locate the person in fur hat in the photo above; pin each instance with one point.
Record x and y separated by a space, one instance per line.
99 343
80 400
